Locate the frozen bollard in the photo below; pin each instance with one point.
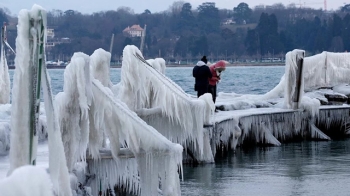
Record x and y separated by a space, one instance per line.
299 81
294 78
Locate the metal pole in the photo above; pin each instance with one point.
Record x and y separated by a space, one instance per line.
143 39
299 79
111 46
38 33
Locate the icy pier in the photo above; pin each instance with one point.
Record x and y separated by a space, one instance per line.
311 102
272 126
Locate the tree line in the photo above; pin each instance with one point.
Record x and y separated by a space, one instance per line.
186 33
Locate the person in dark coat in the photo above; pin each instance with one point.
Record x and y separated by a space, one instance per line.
201 73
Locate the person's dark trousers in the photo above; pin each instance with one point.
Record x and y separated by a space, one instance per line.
201 91
212 90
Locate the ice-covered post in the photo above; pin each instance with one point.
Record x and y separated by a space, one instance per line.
26 87
29 74
294 78
4 74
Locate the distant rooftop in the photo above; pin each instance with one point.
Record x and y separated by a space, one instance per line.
133 28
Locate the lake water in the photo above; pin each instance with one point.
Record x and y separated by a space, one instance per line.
295 169
246 80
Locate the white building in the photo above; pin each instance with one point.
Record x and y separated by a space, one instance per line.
50 33
133 31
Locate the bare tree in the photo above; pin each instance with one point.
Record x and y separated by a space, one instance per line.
126 9
176 7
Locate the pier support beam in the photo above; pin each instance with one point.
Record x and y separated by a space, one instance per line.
316 133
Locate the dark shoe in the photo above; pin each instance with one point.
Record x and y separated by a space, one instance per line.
220 107
206 126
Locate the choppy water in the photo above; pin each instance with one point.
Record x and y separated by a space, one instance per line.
296 169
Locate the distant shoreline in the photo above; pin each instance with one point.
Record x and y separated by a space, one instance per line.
191 65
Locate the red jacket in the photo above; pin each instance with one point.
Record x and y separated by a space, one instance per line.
221 65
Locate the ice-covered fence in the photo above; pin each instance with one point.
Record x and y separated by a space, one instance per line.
327 69
163 104
155 157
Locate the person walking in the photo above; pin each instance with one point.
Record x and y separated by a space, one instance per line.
215 70
201 73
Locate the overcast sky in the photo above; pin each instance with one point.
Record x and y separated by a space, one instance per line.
88 6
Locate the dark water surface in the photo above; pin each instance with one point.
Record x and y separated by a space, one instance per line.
306 168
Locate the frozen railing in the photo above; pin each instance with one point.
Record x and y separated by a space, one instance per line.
89 113
163 104
326 70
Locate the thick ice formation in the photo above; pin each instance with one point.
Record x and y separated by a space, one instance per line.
328 70
158 64
99 66
100 70
163 104
5 115
155 157
22 97
27 181
73 107
57 159
322 70
294 80
5 127
23 89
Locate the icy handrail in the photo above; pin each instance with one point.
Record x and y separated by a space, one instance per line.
161 76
